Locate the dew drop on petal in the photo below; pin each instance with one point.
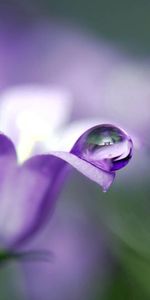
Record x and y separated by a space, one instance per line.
105 146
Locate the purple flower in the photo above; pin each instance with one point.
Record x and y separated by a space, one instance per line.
22 190
103 84
29 190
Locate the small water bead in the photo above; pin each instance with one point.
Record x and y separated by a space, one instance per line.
105 146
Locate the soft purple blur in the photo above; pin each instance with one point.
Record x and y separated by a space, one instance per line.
79 256
104 84
27 194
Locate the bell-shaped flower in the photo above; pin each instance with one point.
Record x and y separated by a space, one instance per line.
34 117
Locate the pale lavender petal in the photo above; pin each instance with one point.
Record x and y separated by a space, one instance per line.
31 114
27 195
103 178
53 170
21 194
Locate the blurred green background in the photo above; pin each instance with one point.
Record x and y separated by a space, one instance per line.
126 23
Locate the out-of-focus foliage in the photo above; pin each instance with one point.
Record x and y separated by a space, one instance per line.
127 217
125 22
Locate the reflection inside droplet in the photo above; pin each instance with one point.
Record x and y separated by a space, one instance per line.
105 146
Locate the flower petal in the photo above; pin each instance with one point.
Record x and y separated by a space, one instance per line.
53 168
103 178
40 179
21 196
30 114
8 158
7 148
52 103
28 192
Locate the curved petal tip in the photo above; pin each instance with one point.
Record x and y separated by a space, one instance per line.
7 147
103 178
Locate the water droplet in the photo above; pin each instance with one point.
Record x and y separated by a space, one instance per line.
105 146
